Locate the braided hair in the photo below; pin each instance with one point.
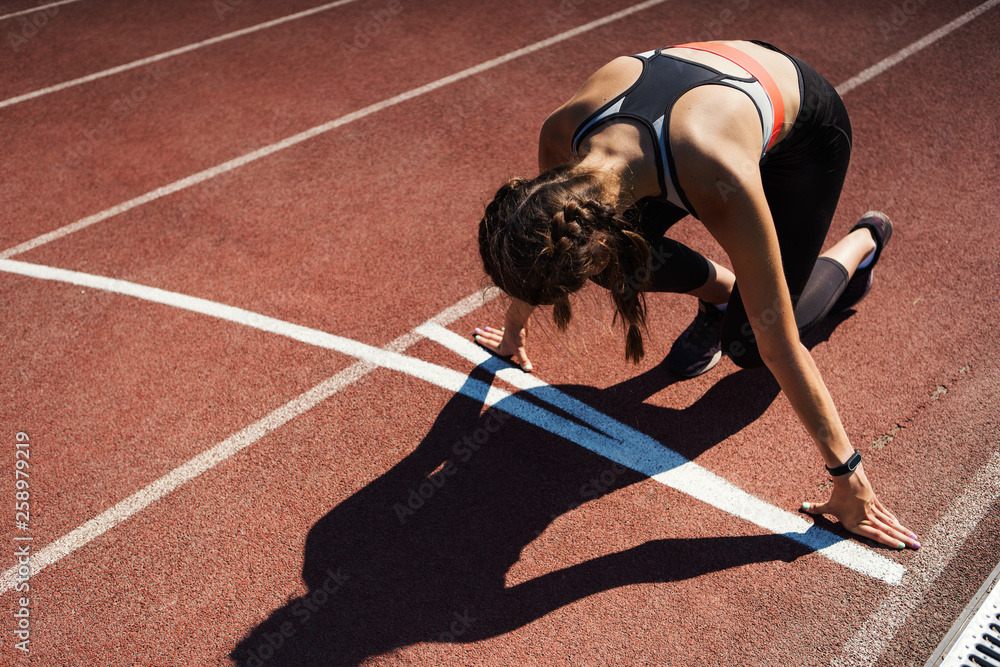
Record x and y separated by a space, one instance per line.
541 239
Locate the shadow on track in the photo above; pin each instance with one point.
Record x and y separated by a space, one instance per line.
421 554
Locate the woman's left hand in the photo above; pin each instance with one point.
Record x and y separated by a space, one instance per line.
854 504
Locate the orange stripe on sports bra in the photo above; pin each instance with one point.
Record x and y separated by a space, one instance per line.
750 64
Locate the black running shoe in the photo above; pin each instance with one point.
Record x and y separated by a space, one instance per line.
699 348
880 227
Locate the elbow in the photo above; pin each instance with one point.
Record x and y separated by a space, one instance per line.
747 353
777 335
781 352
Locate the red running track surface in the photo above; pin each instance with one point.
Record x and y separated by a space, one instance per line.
294 548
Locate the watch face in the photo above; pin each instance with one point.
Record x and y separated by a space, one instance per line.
845 468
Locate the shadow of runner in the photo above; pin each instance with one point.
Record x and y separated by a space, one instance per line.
421 554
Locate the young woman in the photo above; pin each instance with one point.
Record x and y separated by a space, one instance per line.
755 144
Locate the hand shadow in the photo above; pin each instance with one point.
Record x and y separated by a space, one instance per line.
421 554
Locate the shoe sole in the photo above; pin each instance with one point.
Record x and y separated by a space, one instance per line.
709 366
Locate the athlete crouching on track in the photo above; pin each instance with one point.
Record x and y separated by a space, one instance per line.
759 157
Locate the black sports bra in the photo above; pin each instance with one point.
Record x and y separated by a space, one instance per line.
664 79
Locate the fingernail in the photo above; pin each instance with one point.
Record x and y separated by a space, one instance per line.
476 337
916 545
912 536
806 506
487 329
901 546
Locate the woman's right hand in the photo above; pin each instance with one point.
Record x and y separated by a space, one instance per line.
853 502
505 344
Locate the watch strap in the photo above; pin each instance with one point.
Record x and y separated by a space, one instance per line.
846 468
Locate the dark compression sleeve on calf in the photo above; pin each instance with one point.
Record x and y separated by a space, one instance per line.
827 282
673 267
676 267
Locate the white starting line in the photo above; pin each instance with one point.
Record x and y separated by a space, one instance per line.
607 437
861 650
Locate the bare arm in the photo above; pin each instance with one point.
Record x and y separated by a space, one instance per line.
720 175
554 141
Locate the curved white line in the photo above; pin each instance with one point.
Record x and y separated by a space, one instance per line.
208 459
649 457
612 439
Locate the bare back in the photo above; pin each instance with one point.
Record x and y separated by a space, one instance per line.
630 140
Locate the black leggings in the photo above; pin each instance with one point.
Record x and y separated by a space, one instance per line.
802 176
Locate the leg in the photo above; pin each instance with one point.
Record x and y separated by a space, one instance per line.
830 278
719 286
674 267
697 350
802 181
703 278
851 250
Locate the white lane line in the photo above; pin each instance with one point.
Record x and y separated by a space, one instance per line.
940 546
235 163
649 457
617 441
920 44
210 458
184 473
847 86
170 54
37 8
353 348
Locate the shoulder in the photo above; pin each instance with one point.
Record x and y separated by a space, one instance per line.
715 140
557 131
